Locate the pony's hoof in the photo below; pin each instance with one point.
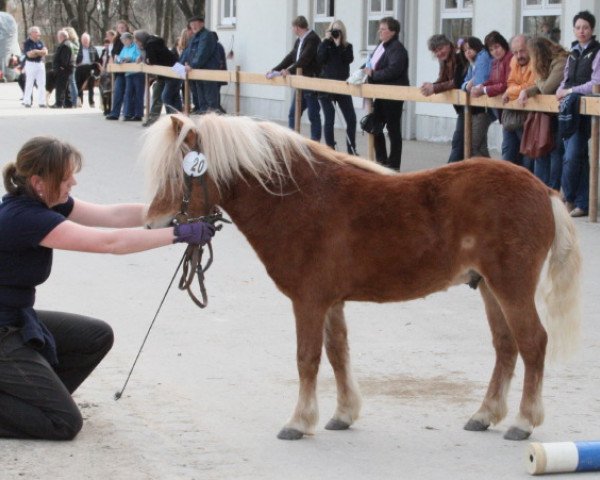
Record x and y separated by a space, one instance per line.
515 433
335 424
475 426
290 434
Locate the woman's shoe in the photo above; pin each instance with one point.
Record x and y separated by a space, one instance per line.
578 212
111 117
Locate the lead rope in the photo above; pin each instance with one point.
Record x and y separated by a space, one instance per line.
119 394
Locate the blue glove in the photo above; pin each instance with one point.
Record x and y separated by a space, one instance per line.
196 233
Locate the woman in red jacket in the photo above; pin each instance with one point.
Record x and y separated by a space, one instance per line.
500 51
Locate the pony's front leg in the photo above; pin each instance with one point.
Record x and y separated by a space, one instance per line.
309 338
336 345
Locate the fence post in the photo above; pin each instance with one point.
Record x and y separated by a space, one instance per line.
370 137
468 136
595 151
147 94
186 95
238 90
298 100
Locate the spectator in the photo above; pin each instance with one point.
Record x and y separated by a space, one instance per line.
119 78
520 78
582 72
62 66
389 65
178 49
335 55
304 56
35 70
87 69
221 60
548 60
496 83
452 72
73 92
105 76
200 54
133 99
165 90
480 63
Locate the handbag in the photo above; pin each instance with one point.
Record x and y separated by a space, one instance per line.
538 138
370 123
513 119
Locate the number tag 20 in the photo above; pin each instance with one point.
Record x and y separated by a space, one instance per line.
194 164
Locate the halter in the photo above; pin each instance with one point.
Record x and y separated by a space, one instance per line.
192 258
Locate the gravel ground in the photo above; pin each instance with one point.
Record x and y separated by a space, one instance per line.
213 387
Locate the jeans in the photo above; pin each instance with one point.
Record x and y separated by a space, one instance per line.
207 94
390 113
310 101
85 73
118 95
457 151
345 103
576 168
134 95
158 87
73 93
171 95
549 168
511 144
35 398
480 124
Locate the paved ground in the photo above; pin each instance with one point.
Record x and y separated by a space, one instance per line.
213 387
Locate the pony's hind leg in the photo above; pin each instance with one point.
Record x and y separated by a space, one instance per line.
493 409
531 340
309 338
336 345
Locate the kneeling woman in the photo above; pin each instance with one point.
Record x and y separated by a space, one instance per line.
45 356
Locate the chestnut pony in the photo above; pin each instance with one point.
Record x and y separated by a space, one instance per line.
332 228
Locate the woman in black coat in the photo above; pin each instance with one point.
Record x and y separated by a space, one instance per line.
335 56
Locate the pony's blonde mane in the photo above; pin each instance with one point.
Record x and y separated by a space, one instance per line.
235 146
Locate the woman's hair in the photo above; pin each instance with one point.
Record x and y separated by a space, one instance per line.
183 40
73 37
543 52
141 36
46 157
339 25
437 41
496 37
474 43
392 24
587 16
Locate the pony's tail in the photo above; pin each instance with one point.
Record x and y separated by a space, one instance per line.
561 289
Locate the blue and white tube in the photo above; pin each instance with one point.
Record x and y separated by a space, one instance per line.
563 457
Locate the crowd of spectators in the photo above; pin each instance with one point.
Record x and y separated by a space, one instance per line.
514 70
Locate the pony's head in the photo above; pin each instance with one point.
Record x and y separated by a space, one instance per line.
232 148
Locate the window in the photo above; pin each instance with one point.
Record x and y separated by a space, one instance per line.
457 18
542 18
228 13
376 10
324 14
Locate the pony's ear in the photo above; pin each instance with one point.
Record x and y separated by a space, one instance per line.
177 123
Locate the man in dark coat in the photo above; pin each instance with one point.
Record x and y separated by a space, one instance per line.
304 56
62 64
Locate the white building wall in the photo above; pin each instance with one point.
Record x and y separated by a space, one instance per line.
263 36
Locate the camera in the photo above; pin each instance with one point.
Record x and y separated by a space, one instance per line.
336 33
